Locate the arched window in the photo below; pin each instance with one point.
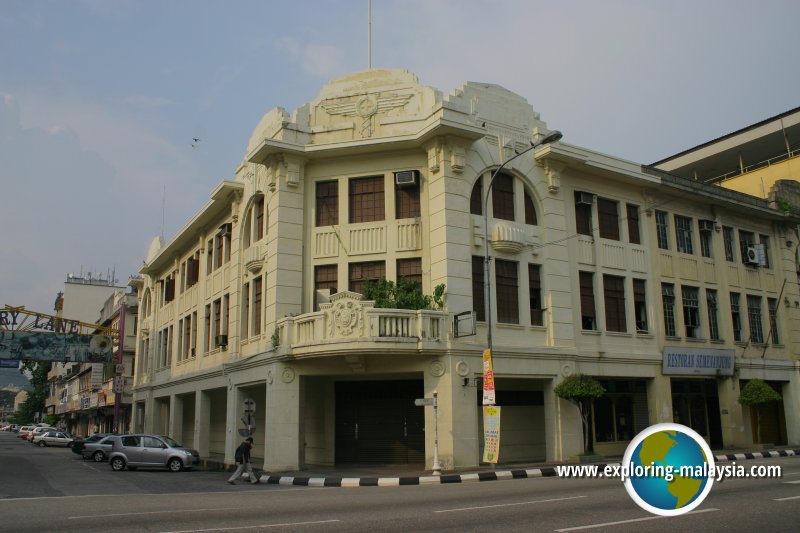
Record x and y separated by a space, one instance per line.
530 210
146 304
255 222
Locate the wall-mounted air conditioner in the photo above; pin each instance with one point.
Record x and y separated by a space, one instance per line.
406 178
584 198
225 230
751 256
221 340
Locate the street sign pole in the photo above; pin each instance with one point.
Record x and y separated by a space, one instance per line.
119 391
437 468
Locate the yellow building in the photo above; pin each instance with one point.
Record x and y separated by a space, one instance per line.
253 315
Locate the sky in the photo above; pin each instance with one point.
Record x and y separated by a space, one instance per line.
100 100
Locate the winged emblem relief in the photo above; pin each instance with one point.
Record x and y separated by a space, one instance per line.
366 107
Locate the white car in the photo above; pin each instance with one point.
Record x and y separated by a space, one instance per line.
53 438
41 430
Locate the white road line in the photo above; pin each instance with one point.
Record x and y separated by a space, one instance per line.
287 524
793 482
787 499
154 512
590 526
508 504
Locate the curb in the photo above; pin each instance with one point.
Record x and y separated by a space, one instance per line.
475 477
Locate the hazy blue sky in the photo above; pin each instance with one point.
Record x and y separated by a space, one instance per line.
100 99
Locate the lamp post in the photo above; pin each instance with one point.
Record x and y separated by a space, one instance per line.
551 137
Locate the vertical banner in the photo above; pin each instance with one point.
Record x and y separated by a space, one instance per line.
491 433
488 378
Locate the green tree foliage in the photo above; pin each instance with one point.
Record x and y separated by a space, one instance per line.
37 395
403 295
582 390
755 394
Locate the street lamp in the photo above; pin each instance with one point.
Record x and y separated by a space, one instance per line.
551 137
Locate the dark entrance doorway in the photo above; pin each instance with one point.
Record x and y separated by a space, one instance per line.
378 423
695 403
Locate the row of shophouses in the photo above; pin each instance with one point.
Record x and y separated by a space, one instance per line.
671 288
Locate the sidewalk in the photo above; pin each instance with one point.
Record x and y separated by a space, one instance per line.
397 475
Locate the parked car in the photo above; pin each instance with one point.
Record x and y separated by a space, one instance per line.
53 438
98 450
151 451
24 431
39 430
78 444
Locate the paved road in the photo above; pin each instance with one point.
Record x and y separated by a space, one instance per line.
52 490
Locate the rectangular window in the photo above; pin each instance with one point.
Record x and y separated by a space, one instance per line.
713 312
736 317
588 315
406 201
258 289
367 200
764 240
608 218
410 270
683 234
633 224
219 253
325 277
640 305
772 304
169 288
668 302
259 218
327 198
507 286
181 341
727 239
706 242
187 337
754 319
583 212
193 352
535 294
210 257
245 310
478 288
170 337
662 230
614 297
503 197
216 309
193 270
207 324
746 240
691 311
361 273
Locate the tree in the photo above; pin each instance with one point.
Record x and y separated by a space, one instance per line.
38 393
755 394
582 390
405 294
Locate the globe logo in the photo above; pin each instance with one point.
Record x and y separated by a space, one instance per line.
670 469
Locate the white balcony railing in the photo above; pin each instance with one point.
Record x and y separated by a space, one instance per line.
349 317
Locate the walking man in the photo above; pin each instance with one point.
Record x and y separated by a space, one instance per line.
243 462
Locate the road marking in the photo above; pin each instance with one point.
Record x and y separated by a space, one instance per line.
787 499
793 482
508 504
153 512
590 526
287 524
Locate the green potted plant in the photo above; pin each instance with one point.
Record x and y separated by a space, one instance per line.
582 390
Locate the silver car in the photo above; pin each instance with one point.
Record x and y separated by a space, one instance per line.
99 450
150 451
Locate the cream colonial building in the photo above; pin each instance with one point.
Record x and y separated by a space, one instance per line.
599 266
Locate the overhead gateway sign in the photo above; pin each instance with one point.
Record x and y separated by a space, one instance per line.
26 335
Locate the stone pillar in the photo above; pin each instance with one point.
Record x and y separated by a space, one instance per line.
791 406
735 432
659 399
202 422
461 437
175 417
283 428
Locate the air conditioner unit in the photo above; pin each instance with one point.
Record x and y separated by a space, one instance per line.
751 257
706 225
584 198
221 340
405 178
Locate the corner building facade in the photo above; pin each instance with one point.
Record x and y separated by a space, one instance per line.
259 296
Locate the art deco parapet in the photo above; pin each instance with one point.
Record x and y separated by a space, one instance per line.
350 318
